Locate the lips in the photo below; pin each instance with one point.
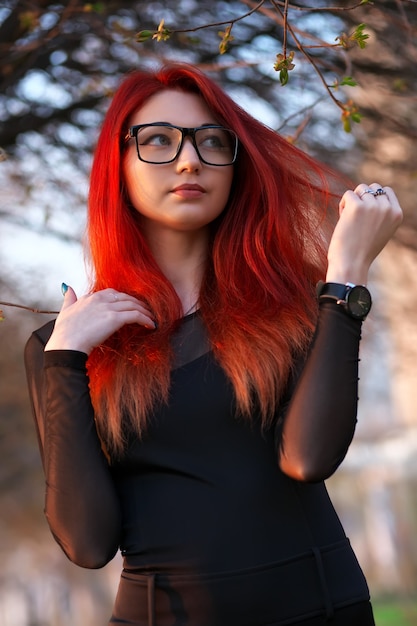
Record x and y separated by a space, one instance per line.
189 187
189 190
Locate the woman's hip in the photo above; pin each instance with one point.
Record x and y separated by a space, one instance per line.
316 585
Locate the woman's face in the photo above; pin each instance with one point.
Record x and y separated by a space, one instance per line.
186 194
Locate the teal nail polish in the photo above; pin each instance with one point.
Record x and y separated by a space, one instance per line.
64 288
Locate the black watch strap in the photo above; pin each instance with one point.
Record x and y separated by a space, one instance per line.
332 291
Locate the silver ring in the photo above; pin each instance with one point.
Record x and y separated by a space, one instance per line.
368 191
115 297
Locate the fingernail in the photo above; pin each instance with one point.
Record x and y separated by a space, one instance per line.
64 288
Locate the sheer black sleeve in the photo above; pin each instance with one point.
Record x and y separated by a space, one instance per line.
81 504
317 428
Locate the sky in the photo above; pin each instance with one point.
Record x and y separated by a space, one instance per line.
40 264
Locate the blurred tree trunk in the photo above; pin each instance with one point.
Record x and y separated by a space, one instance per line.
386 152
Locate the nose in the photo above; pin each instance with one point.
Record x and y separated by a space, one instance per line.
188 158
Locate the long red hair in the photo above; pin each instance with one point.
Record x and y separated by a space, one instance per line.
267 251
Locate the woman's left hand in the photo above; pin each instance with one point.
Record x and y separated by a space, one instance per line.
368 219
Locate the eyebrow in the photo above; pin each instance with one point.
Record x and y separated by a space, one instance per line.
177 125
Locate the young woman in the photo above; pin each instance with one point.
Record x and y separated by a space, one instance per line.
190 406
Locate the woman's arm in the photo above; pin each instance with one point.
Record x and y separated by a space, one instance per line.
82 506
318 427
315 433
81 503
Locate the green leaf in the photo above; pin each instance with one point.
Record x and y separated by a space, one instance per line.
283 76
144 35
350 114
359 36
347 127
349 81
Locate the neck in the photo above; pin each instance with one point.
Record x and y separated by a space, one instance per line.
181 257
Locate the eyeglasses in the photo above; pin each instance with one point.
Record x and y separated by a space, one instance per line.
161 143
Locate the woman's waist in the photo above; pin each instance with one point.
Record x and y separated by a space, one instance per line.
196 570
308 583
257 530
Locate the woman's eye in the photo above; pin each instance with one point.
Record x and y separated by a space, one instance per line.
156 140
211 141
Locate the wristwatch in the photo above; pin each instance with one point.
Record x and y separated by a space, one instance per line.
355 299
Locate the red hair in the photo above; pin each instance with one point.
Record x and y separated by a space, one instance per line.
267 251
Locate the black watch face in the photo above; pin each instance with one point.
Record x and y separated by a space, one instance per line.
359 302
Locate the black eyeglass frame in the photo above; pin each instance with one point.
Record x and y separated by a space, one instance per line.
185 132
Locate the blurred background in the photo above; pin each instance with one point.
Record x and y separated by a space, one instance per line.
350 100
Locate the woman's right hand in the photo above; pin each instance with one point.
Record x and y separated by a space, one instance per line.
85 323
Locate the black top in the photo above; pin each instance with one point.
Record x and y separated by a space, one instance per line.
202 487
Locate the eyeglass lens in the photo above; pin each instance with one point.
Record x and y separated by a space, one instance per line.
161 144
